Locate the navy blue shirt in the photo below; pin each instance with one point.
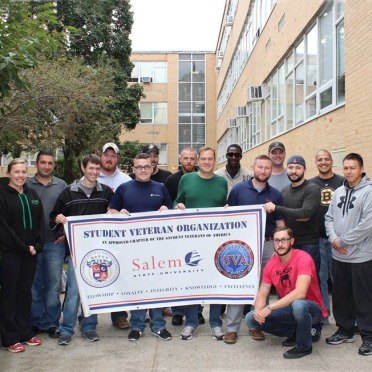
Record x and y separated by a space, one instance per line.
244 193
136 197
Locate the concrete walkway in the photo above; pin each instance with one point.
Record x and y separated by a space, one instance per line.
114 352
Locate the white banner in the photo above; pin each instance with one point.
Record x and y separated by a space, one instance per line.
170 258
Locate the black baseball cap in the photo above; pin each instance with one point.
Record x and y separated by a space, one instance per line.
148 149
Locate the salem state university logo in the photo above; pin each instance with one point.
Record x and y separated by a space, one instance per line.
99 268
234 259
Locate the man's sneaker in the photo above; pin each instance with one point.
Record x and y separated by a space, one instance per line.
201 318
121 323
34 341
91 336
134 335
315 335
187 333
290 341
295 354
163 334
338 338
64 339
366 348
53 332
230 337
217 333
167 312
16 348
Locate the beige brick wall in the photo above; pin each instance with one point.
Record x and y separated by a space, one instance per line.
347 128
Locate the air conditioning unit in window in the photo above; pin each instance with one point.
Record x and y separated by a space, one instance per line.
231 123
146 79
229 20
220 54
241 111
255 93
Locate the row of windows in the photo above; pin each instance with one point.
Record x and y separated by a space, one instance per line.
309 81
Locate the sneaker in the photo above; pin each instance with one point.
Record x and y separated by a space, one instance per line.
295 354
162 334
177 320
16 348
338 338
290 341
64 339
134 335
121 323
366 348
92 336
315 335
53 332
217 333
230 337
256 334
201 318
167 312
187 333
34 341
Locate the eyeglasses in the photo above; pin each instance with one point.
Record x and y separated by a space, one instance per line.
234 155
140 167
283 240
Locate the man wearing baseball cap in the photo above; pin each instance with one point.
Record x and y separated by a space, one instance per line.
158 175
111 176
278 178
300 204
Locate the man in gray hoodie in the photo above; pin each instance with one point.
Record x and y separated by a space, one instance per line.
349 228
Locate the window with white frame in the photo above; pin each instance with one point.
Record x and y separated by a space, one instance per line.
149 72
153 112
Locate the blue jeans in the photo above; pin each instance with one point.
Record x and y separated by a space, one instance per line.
313 251
191 314
138 317
71 308
325 249
46 304
301 313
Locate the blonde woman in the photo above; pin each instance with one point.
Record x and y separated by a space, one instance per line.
21 230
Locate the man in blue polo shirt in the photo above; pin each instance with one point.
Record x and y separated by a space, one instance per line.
254 191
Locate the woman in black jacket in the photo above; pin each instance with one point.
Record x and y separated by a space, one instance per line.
21 238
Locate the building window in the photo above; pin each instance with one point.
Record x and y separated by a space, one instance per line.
153 112
150 72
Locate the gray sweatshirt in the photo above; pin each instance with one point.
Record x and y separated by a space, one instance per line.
349 218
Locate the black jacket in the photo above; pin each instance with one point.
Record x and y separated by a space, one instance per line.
72 201
21 220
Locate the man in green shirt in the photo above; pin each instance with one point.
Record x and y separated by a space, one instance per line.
202 189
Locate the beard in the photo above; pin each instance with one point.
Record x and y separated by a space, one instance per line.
261 178
297 179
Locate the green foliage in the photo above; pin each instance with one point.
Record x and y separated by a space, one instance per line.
128 150
66 106
24 36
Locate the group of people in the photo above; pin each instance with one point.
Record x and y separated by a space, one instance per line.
316 229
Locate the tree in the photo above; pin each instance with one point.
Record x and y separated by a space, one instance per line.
102 29
128 150
66 106
24 36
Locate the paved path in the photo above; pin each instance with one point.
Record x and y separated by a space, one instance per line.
114 352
